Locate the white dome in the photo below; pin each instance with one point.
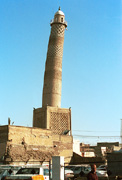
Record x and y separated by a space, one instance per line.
59 12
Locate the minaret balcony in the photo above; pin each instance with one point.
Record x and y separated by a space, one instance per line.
58 22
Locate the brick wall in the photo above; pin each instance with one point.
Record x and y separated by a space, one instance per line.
31 136
27 143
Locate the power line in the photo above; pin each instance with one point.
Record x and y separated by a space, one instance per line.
88 136
94 131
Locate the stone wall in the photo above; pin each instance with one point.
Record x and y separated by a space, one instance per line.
63 146
39 118
30 136
34 144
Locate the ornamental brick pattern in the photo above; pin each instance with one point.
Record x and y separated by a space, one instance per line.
59 122
55 50
58 30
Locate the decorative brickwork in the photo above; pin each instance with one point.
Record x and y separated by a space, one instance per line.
59 122
58 30
55 51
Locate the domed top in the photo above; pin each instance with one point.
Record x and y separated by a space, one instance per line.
59 18
59 12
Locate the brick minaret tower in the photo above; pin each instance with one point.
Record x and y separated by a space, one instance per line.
51 115
53 68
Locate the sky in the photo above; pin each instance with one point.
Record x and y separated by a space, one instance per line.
92 63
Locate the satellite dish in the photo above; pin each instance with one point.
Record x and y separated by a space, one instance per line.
65 132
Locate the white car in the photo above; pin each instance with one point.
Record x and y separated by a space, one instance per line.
29 172
101 173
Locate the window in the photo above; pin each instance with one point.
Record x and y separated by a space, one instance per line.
61 19
28 171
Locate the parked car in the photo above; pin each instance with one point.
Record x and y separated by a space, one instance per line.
31 172
102 167
102 171
80 170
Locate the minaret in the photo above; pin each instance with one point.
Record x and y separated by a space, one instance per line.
51 116
53 67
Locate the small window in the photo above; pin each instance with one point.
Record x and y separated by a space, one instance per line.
61 19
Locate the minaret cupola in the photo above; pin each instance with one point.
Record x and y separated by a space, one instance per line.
59 17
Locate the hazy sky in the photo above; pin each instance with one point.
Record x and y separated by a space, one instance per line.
92 63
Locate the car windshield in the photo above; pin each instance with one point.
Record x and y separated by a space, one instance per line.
28 171
78 168
88 168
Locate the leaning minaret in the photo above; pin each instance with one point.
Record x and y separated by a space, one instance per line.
53 68
51 115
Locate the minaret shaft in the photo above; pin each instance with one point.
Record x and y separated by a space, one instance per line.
53 67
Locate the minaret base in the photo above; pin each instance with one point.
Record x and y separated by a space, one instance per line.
56 119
